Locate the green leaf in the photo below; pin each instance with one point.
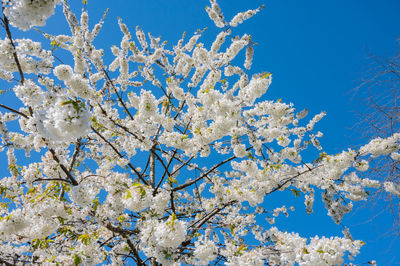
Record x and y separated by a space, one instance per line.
128 194
121 218
54 44
166 255
84 238
77 260
96 203
172 180
295 192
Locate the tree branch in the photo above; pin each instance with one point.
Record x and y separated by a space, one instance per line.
13 110
7 28
203 175
120 155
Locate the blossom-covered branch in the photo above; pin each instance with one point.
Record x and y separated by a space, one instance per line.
159 154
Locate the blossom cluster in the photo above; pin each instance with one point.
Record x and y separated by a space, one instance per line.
25 14
32 58
66 120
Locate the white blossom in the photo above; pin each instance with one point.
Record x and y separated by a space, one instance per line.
25 14
63 72
64 121
170 233
392 188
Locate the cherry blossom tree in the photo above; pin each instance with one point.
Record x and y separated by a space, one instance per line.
381 119
163 155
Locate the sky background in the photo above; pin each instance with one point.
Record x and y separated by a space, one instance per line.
318 51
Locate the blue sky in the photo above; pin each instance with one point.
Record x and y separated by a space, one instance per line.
318 52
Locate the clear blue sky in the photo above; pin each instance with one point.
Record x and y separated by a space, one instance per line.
318 53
